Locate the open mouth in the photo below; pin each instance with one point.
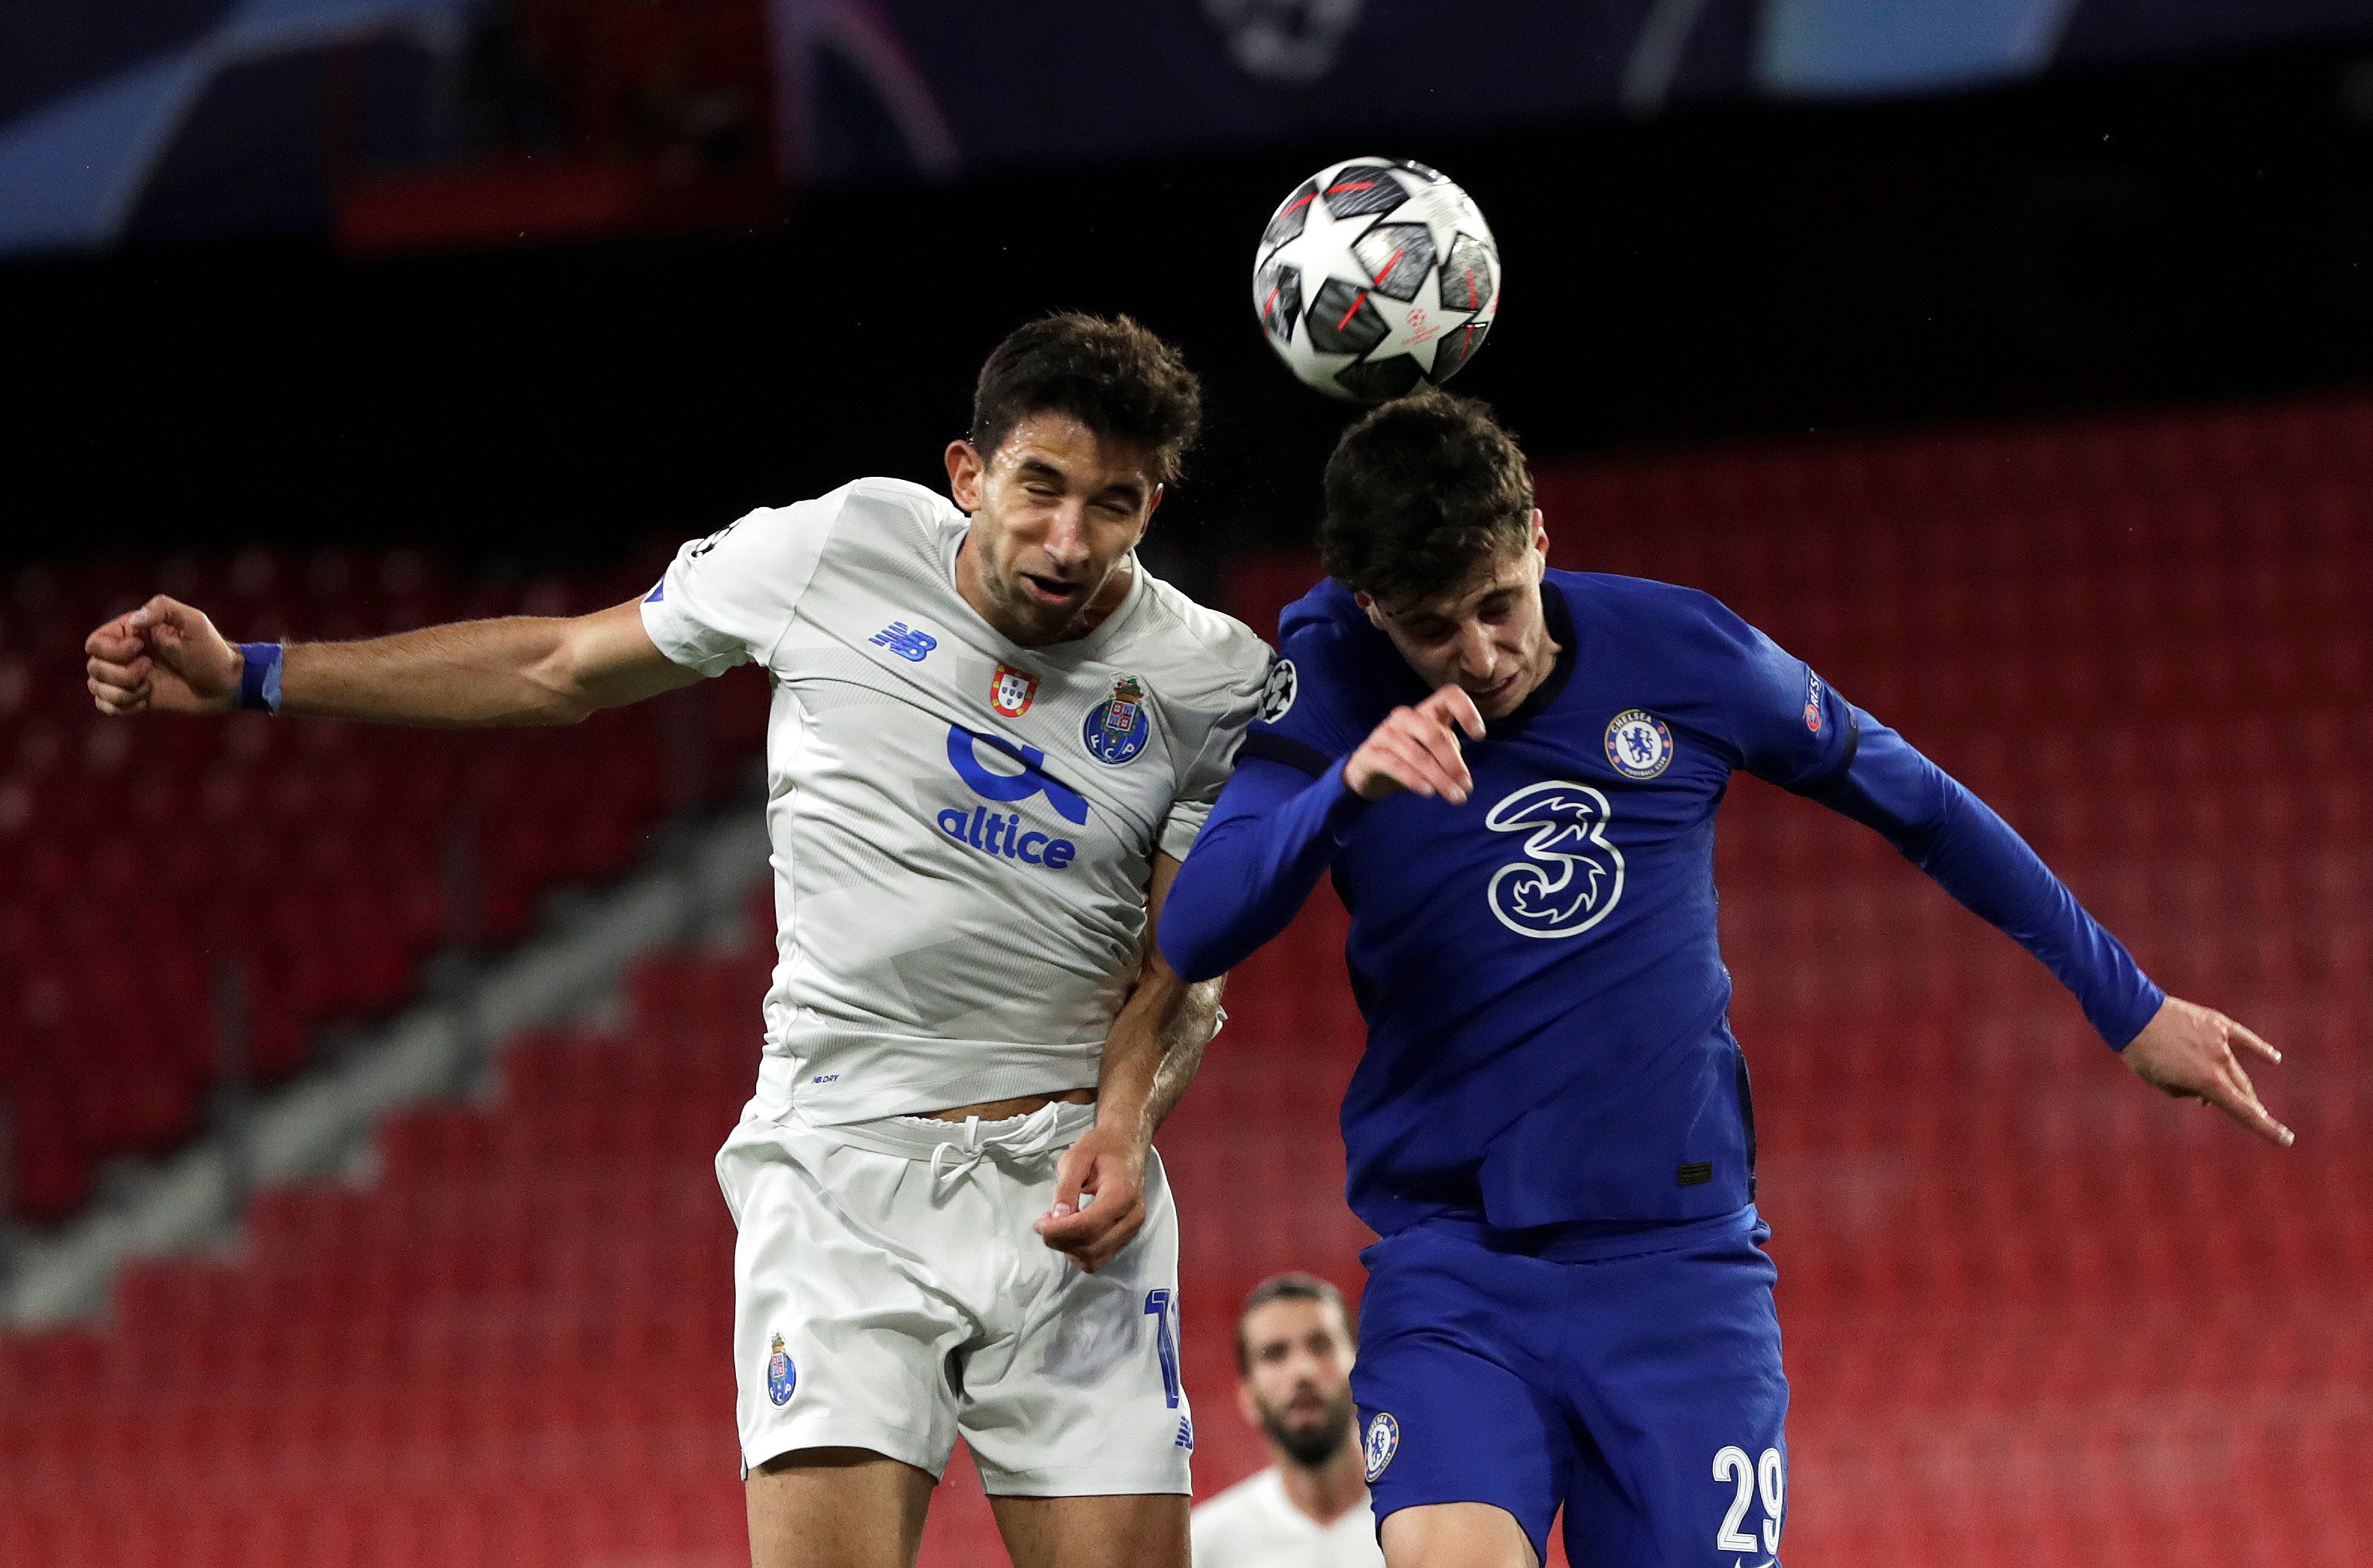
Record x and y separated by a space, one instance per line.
1051 589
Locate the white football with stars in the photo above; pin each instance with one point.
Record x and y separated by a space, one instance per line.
1374 275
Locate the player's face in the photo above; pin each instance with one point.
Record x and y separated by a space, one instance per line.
1297 1385
1056 509
1486 634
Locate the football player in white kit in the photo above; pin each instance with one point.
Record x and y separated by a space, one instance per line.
1309 1508
993 738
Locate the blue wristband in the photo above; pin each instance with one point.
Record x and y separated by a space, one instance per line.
258 678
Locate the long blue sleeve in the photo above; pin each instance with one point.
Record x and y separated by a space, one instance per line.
1274 830
1540 969
1979 859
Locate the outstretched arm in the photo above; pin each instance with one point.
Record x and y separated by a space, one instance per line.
2175 1045
168 657
1149 1058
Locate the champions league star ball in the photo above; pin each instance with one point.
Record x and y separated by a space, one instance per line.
1375 274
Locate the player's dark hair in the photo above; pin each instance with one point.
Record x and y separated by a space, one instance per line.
1112 375
1284 1287
1419 492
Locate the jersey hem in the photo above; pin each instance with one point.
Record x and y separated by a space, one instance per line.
779 1089
1586 1241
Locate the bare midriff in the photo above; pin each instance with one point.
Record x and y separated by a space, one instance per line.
1021 1105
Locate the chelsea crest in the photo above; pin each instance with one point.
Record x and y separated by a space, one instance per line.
1638 744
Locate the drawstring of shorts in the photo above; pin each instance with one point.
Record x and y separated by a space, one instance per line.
971 1149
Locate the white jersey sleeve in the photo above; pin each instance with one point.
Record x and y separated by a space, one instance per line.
1242 662
728 599
1199 786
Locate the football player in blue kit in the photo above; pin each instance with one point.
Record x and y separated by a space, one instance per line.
1512 774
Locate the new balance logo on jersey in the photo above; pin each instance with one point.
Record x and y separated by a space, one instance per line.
905 641
999 833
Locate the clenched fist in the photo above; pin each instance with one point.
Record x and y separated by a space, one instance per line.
164 656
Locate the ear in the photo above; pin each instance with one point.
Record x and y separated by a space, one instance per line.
1244 1406
966 470
1146 527
1540 540
1368 608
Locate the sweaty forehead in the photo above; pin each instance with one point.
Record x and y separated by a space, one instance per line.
1495 574
1062 445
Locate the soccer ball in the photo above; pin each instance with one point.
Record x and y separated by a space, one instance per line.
1375 274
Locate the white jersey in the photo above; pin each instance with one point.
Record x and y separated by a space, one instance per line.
1255 1524
962 829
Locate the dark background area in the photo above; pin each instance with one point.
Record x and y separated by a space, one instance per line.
2101 237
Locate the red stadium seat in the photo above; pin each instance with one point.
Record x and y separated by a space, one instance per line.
340 837
2035 1315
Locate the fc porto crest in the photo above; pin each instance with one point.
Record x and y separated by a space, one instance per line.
1010 691
1638 744
781 1376
1116 728
1383 1439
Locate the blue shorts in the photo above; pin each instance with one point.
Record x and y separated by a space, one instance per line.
1640 1388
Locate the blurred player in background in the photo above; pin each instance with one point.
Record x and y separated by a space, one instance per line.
1513 773
993 738
1309 1509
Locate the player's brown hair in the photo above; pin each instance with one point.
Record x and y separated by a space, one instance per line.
1284 1287
1110 375
1422 492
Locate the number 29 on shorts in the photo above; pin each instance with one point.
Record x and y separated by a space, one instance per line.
1768 1475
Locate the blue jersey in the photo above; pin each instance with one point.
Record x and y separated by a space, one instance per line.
1538 967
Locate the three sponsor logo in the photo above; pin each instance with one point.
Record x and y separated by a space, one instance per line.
1571 877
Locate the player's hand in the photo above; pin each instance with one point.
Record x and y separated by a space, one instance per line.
2189 1051
1417 749
1099 1198
164 656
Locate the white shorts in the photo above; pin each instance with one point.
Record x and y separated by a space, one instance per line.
889 1294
